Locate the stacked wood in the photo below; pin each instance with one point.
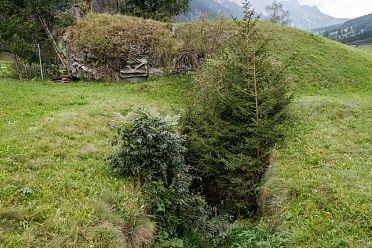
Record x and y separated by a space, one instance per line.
135 69
64 79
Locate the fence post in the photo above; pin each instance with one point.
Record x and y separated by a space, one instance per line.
41 65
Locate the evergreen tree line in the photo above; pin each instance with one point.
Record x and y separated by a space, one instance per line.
355 31
162 10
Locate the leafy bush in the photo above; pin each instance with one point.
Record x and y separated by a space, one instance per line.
236 115
150 151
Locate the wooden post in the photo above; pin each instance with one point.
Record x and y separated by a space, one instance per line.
41 64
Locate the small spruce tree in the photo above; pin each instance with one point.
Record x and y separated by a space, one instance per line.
150 151
235 117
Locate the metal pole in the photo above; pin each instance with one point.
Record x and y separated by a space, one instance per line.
41 65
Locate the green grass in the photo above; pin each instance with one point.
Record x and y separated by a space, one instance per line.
320 64
318 188
55 189
53 176
319 185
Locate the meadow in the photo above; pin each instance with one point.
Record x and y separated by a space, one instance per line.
54 142
318 187
56 190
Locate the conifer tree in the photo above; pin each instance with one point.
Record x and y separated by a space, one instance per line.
156 9
236 116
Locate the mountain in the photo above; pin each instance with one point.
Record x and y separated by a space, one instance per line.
356 31
302 16
213 8
305 17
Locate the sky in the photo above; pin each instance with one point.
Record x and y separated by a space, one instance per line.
342 8
338 8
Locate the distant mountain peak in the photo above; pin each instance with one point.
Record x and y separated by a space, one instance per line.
302 16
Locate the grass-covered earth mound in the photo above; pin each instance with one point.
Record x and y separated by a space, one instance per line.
110 41
109 36
56 190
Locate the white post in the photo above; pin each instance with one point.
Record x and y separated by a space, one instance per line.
41 65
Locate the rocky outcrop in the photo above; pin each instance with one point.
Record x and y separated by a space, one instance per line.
186 61
88 66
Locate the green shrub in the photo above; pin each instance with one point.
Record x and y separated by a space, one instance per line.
236 115
150 151
103 39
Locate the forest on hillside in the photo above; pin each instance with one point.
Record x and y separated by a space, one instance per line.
355 32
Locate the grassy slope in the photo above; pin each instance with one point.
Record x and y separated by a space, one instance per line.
319 186
321 65
54 142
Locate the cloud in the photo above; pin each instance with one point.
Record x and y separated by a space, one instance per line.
342 8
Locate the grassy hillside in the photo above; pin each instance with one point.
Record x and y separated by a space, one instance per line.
56 191
318 188
320 64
